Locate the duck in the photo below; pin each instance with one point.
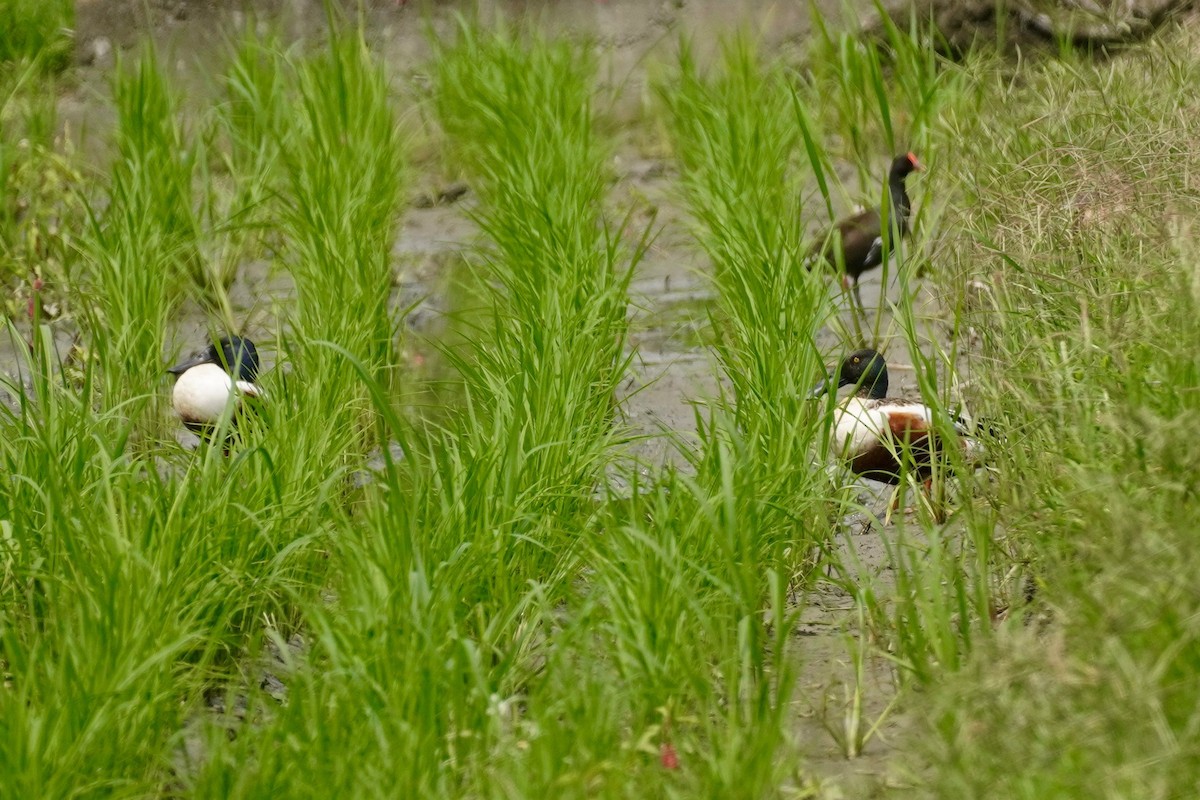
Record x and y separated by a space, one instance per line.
211 383
874 433
861 237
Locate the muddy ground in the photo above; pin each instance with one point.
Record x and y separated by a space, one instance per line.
670 292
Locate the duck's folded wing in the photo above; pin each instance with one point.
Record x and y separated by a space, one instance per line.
250 389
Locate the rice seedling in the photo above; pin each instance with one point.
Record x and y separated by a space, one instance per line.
258 88
548 350
137 579
443 625
553 275
141 250
344 168
734 136
767 501
126 591
250 132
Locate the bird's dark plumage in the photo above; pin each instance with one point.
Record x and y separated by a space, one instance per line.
861 237
236 355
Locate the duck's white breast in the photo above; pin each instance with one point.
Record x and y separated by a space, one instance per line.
203 393
860 424
856 427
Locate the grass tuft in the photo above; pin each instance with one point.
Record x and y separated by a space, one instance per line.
38 32
344 172
141 251
735 136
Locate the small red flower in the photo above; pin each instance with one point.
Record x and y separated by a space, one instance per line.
668 756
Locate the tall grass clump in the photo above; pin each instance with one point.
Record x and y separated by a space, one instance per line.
37 32
141 248
878 95
735 135
864 100
1076 241
340 206
258 88
40 205
549 349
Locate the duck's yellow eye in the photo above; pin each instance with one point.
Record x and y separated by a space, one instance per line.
856 359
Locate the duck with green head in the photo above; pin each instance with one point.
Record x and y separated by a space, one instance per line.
880 437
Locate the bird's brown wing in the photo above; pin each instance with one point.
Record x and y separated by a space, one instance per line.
858 235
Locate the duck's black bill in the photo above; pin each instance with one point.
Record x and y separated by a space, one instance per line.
820 389
184 366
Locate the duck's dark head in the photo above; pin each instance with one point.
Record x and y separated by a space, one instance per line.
903 166
236 355
864 369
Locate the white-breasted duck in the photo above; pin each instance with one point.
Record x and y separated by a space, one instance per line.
861 237
212 382
873 433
